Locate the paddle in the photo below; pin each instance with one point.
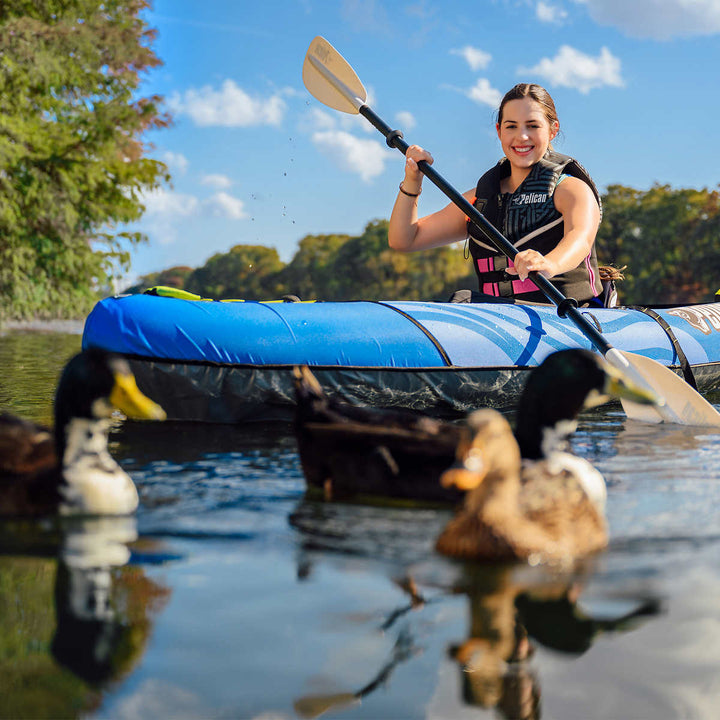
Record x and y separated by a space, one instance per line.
330 79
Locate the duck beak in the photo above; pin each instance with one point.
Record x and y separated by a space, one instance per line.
620 386
126 397
466 474
460 478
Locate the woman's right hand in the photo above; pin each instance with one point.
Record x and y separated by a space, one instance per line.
413 176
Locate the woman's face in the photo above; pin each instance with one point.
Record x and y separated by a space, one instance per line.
525 132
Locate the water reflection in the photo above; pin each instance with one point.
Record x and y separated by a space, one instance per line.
91 632
104 611
312 706
510 609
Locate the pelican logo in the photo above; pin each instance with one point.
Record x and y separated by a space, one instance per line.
704 318
530 198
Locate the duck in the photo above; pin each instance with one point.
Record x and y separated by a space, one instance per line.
68 469
527 497
350 452
358 453
512 510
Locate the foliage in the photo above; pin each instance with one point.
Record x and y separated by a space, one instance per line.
34 682
247 272
175 277
310 273
330 267
668 239
365 268
71 154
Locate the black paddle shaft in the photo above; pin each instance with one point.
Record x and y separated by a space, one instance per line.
567 307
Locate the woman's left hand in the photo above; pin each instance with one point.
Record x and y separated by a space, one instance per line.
529 260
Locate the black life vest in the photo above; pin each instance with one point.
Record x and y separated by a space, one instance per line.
529 219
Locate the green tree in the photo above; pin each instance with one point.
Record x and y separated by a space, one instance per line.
71 151
667 238
175 277
365 268
309 274
247 272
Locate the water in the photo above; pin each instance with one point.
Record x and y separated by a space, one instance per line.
241 598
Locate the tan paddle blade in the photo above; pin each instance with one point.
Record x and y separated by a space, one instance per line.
682 404
330 79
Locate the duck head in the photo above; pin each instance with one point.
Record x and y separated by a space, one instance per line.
565 383
487 452
93 384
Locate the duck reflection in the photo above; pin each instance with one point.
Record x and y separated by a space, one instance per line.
94 637
512 609
104 611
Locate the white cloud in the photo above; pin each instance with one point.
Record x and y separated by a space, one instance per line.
574 69
163 211
175 161
164 202
227 206
166 212
221 182
545 12
406 120
365 157
317 119
482 92
228 106
658 19
477 59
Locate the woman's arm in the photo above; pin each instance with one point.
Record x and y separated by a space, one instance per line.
575 201
406 232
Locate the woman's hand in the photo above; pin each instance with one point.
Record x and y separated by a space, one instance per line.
529 260
413 176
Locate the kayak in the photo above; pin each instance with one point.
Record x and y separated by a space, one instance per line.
232 361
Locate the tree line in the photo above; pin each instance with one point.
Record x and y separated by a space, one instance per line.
663 240
74 168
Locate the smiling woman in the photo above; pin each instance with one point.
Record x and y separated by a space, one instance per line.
545 203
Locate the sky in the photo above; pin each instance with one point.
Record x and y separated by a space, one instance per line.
256 160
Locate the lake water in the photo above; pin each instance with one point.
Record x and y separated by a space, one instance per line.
241 598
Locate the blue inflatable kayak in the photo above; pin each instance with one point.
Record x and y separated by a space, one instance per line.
231 361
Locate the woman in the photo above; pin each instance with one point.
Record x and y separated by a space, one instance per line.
545 203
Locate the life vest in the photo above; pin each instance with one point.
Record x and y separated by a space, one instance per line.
528 218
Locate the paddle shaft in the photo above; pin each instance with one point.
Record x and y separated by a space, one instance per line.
567 307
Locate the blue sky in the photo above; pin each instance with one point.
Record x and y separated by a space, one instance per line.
255 159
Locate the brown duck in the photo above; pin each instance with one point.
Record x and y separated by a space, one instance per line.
531 511
357 452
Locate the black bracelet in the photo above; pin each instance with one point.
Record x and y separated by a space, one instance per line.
405 192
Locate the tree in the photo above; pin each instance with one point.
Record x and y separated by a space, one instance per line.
247 272
365 268
668 240
175 277
71 150
309 275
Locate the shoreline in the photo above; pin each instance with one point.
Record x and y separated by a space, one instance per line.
70 327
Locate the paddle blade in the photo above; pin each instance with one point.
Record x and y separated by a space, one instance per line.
683 405
330 79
